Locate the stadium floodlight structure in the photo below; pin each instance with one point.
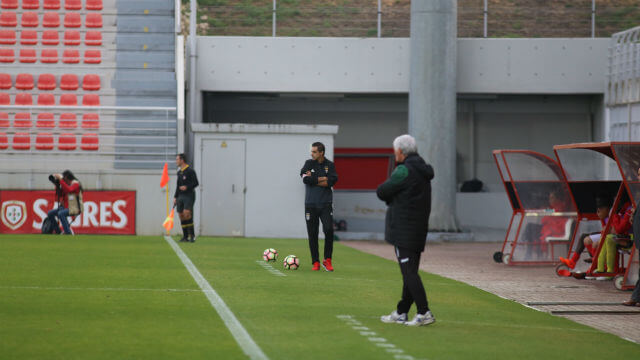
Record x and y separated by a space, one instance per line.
608 169
543 219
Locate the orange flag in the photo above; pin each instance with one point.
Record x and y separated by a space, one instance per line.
164 180
168 222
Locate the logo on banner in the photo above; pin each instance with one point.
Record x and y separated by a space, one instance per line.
14 214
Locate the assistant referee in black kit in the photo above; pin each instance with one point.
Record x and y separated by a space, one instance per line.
319 175
185 197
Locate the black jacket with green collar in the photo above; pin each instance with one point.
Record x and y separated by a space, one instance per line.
408 195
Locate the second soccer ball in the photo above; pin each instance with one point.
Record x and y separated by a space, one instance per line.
291 262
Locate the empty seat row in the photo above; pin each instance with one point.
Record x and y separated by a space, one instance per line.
50 56
48 99
50 37
50 19
53 4
47 121
45 141
90 82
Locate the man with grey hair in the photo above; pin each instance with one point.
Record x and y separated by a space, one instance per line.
408 196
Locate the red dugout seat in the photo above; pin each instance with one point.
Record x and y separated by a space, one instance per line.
5 99
7 37
67 141
7 55
8 19
91 82
93 38
93 20
24 99
21 141
50 37
73 4
89 142
72 37
24 81
68 121
4 141
51 4
30 4
51 19
68 100
69 82
90 121
5 81
29 19
92 57
22 120
4 120
72 20
46 82
93 5
45 121
49 56
9 4
44 141
28 56
28 37
71 57
91 100
46 99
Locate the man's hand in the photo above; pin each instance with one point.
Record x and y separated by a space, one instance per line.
322 181
183 187
57 176
175 201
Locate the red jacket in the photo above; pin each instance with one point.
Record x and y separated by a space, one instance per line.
74 188
621 221
552 226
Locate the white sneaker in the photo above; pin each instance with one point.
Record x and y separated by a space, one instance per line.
394 317
420 320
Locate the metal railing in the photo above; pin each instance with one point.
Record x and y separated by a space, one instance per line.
375 18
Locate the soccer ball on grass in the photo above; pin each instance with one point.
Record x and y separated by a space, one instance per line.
270 254
291 262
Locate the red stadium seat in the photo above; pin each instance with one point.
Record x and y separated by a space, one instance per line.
22 120
46 99
92 57
93 20
72 20
49 56
4 141
51 19
5 81
51 4
5 99
9 4
90 121
73 4
28 37
94 5
68 100
91 82
89 142
7 55
4 120
93 38
72 37
67 141
28 55
7 37
8 19
91 100
21 141
46 82
44 141
24 81
50 37
69 82
24 99
29 19
71 57
45 121
30 4
68 121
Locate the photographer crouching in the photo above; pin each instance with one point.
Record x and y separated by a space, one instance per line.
68 198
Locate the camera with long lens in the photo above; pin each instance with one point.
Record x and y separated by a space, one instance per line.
54 180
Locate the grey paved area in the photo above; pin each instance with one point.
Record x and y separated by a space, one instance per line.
472 263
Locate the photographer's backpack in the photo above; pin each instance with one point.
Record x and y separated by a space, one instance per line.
50 226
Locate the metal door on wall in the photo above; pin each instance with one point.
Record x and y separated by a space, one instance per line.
222 187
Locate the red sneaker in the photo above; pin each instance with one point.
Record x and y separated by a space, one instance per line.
316 266
326 264
569 262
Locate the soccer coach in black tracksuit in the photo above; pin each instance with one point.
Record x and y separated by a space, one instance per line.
319 175
408 196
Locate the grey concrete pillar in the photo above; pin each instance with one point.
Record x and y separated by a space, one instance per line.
432 101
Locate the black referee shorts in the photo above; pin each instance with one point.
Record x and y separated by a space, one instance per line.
185 202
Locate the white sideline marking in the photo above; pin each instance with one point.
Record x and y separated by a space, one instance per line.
378 341
95 289
270 268
239 333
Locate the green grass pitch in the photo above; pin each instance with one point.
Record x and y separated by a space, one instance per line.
130 297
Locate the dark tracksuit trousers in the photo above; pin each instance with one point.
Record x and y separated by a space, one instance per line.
412 288
636 237
314 215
